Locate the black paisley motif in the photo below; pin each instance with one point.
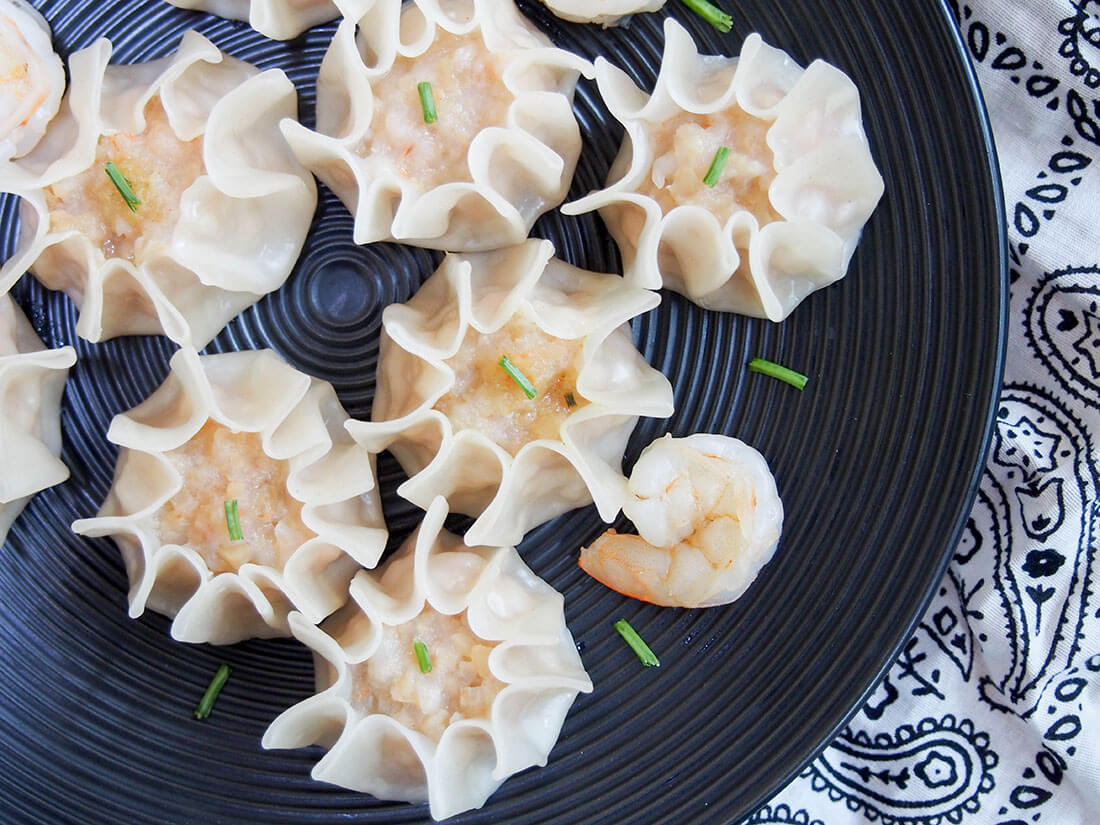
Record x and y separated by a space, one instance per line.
1043 590
953 621
1062 328
932 773
1042 507
781 815
1081 46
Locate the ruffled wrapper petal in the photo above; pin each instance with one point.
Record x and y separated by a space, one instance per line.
277 19
605 12
32 379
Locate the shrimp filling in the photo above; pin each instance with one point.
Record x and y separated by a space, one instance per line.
158 166
487 399
459 685
469 95
219 465
685 146
23 87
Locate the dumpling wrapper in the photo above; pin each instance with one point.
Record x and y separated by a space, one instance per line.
510 174
277 19
534 656
300 421
32 379
605 12
32 79
825 188
241 223
509 494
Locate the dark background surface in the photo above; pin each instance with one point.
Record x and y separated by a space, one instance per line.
876 462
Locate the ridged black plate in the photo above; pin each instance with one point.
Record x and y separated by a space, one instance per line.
877 464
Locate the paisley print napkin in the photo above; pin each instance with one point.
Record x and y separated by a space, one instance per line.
992 712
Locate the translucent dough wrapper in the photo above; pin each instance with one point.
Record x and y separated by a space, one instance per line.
277 19
504 605
181 263
454 184
32 379
32 80
299 424
479 294
606 12
823 186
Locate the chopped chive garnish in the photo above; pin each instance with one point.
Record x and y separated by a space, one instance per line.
233 521
570 399
422 657
770 368
711 13
123 186
206 704
427 101
517 376
637 644
715 171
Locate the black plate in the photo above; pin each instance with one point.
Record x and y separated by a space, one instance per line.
877 463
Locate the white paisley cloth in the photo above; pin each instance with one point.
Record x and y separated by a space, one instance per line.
992 712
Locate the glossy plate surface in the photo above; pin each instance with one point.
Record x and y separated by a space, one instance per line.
876 461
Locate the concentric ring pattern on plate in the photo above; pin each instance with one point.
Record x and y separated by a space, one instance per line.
876 461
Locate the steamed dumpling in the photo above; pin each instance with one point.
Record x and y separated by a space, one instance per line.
502 147
742 183
238 497
461 423
163 198
504 671
32 78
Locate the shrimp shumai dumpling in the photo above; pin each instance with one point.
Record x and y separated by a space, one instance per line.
509 383
238 497
743 183
502 143
450 669
163 198
277 19
708 516
32 379
32 79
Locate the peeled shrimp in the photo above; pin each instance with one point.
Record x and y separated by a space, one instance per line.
708 516
32 78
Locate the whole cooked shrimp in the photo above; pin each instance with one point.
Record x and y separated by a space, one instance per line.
708 516
32 78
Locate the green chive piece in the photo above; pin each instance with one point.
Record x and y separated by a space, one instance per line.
517 376
123 186
570 399
637 644
206 704
427 101
233 521
422 657
711 13
715 171
770 368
